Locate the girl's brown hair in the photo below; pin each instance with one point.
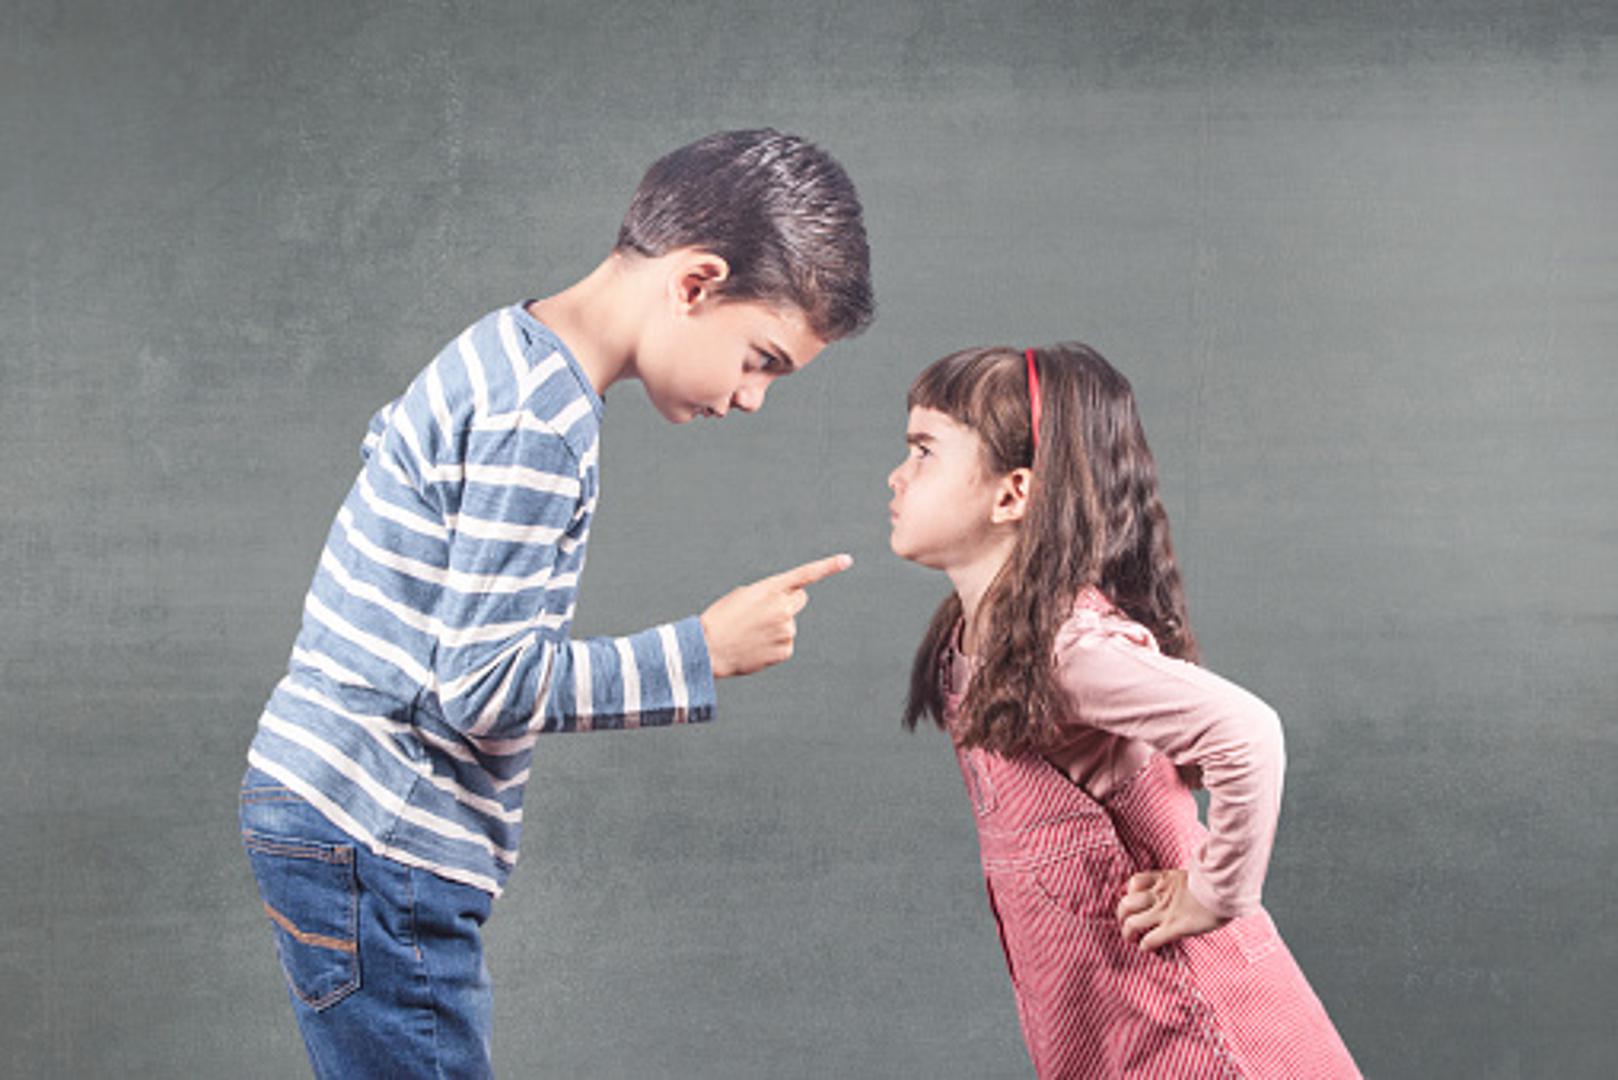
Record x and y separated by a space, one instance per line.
1094 518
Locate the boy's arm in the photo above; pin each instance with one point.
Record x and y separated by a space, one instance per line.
664 675
659 676
508 488
482 450
652 678
503 667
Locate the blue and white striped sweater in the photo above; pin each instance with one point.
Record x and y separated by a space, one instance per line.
434 645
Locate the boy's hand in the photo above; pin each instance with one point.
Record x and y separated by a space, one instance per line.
752 627
1158 908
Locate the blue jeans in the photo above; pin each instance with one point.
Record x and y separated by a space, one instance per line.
383 962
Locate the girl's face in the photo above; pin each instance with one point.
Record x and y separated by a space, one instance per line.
948 510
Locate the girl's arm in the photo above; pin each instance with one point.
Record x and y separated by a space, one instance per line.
1120 684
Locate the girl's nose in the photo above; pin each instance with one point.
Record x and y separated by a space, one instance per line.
749 398
893 479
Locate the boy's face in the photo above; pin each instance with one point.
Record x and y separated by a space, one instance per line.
713 355
943 511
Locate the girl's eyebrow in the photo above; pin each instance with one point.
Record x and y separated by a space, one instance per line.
918 438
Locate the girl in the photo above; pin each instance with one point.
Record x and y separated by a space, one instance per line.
1064 669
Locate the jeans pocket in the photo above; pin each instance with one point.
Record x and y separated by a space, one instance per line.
311 895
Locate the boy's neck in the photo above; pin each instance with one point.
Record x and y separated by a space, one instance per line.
599 318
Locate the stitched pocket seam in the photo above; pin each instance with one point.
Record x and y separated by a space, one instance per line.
297 849
337 856
1064 905
1257 938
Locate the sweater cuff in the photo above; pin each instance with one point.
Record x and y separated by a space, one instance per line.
696 667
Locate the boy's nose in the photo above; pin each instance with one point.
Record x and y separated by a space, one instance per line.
748 398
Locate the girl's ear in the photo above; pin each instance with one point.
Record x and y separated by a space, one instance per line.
695 277
1011 500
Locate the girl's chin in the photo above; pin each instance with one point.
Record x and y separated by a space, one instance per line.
921 559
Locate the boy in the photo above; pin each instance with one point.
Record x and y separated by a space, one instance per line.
382 806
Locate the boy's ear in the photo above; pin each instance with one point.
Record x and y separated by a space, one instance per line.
1011 502
696 277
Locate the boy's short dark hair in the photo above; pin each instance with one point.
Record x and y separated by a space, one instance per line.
778 209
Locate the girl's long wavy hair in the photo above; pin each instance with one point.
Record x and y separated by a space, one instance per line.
1094 518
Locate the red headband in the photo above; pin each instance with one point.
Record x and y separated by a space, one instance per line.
1033 395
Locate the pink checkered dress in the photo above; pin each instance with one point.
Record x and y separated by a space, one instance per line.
1231 1003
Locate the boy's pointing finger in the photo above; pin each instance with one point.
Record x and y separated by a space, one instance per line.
810 572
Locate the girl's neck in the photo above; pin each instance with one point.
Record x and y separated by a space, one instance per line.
972 581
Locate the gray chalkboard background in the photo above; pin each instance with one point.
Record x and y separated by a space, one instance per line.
1361 262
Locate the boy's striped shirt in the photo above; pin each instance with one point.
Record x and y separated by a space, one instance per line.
434 645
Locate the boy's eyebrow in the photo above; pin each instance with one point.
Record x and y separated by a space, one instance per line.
780 356
918 438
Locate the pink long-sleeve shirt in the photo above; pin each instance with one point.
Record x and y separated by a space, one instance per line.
1129 700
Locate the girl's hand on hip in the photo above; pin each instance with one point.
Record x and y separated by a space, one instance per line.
1158 908
754 626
